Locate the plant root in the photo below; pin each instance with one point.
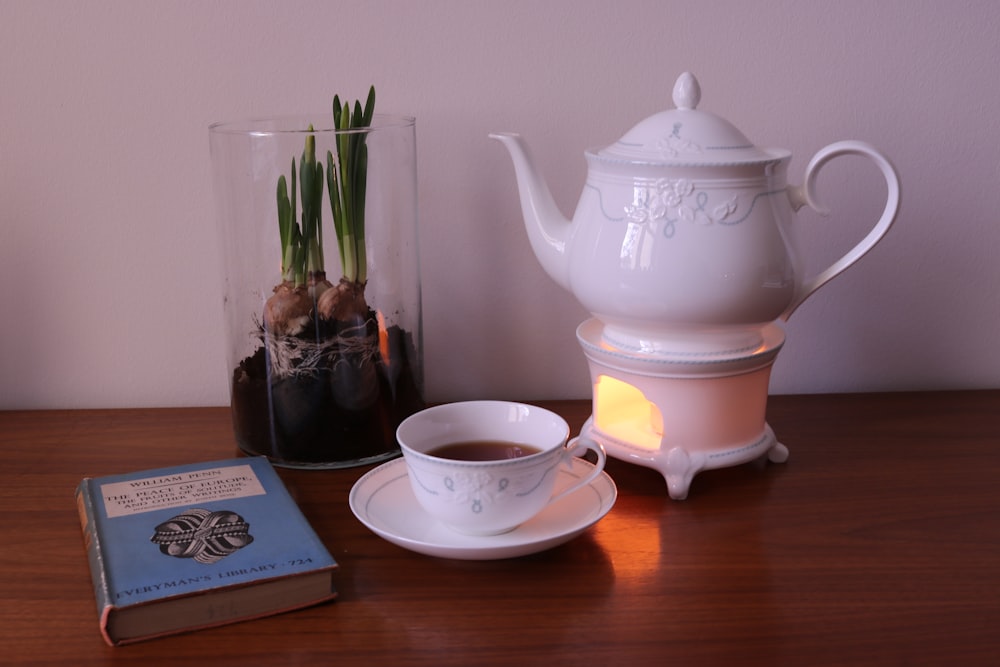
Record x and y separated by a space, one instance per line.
294 356
290 356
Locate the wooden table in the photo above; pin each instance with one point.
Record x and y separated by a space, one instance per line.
878 542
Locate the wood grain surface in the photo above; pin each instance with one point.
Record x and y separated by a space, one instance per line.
878 542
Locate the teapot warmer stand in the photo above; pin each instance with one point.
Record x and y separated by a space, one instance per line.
682 413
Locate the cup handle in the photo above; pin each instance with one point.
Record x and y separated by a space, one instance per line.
572 450
805 195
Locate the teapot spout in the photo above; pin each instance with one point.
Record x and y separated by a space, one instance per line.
548 229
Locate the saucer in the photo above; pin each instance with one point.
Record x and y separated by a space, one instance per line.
384 502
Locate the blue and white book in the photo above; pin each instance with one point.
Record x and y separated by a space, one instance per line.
198 545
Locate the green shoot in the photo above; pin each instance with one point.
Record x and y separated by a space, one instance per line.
301 244
346 176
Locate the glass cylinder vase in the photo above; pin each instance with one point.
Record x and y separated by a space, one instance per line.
322 309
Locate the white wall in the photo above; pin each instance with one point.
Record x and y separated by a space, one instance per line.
109 288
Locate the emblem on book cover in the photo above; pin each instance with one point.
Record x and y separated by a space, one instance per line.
205 536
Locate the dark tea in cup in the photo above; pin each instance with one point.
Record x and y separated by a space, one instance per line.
483 450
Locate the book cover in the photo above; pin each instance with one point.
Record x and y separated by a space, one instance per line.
198 545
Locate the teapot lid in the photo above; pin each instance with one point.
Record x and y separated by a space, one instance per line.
686 136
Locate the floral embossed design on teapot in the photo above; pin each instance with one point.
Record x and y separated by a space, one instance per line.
680 243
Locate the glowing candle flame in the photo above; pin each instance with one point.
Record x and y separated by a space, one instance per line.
383 338
622 411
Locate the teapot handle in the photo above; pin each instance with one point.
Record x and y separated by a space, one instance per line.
806 195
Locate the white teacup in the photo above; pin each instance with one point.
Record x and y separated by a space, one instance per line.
499 493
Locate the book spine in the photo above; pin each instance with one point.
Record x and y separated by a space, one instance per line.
95 556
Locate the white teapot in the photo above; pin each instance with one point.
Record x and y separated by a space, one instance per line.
680 242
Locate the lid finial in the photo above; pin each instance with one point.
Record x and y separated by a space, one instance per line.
687 137
687 92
